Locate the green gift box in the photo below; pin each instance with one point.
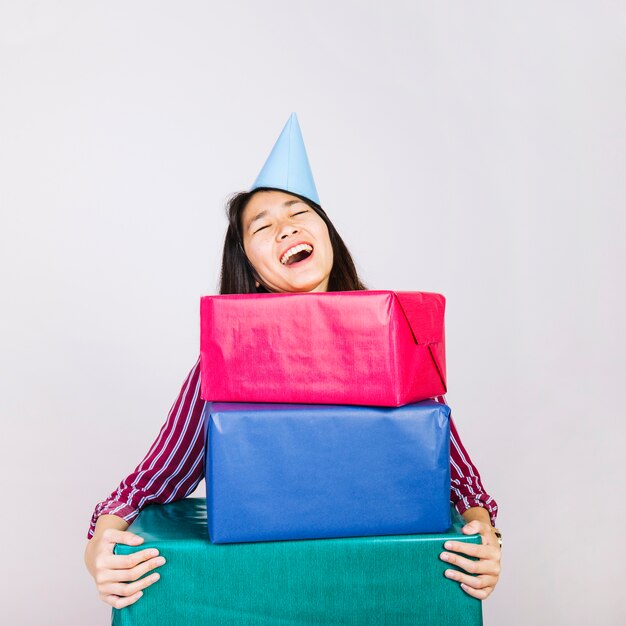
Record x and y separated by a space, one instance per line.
395 579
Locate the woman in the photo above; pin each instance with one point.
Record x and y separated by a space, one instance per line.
277 241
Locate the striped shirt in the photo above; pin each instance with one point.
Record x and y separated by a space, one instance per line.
174 464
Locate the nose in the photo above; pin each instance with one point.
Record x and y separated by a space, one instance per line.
286 230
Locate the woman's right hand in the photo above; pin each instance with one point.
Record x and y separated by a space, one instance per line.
116 574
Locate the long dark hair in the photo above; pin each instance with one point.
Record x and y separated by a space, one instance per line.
238 275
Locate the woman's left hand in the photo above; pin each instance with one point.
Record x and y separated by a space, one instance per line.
483 574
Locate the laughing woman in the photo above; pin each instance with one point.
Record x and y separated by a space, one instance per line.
279 239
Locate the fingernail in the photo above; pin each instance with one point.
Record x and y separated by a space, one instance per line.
160 560
139 594
447 545
450 573
154 553
444 556
156 577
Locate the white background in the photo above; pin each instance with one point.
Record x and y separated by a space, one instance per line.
474 149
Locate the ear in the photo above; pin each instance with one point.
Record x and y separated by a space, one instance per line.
257 284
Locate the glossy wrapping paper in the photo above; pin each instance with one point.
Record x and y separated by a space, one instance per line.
372 348
362 582
293 471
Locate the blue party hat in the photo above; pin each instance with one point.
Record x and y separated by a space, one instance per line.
287 166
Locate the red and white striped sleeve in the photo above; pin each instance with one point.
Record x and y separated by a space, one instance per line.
173 466
466 487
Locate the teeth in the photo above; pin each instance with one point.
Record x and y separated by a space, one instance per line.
295 250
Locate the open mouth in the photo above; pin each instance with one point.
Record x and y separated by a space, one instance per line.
297 254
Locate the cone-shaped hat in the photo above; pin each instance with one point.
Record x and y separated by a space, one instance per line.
287 166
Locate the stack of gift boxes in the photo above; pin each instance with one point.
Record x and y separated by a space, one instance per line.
321 429
327 470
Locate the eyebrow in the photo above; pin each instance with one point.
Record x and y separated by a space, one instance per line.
263 214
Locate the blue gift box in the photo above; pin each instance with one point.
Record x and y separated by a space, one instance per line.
296 471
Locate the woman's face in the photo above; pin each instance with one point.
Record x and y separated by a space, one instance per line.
287 242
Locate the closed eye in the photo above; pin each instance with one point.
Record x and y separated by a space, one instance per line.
268 225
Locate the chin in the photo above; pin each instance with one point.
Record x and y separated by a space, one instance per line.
306 281
304 286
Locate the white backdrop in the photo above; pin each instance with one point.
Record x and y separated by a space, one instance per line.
474 149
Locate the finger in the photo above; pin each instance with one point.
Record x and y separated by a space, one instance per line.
482 566
127 561
112 535
475 582
480 594
119 603
477 550
130 589
483 529
127 575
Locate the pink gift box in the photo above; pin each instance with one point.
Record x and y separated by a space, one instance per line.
372 348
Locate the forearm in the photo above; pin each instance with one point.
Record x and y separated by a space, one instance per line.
477 513
109 521
466 490
172 468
